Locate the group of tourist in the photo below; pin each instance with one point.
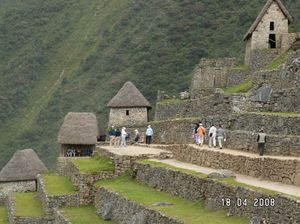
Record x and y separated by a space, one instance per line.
218 134
214 134
118 138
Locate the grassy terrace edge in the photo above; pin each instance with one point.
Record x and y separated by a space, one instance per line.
93 165
181 209
84 214
3 215
28 205
58 185
227 181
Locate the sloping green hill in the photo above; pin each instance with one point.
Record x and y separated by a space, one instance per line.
73 55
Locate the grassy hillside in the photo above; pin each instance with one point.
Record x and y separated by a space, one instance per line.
73 55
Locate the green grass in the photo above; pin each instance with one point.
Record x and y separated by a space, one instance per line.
277 61
94 164
243 68
83 215
167 166
58 185
3 215
189 212
241 88
28 205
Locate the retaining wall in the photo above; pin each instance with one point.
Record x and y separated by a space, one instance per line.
275 169
126 211
241 201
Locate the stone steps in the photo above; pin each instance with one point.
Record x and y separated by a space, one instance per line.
226 193
275 168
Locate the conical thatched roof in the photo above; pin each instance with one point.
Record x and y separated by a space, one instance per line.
128 96
263 12
79 129
24 165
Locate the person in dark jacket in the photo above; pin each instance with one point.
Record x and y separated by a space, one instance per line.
118 138
261 140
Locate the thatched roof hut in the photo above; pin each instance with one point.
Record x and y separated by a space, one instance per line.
79 129
263 12
23 166
128 96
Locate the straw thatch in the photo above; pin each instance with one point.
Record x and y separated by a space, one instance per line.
263 12
79 129
24 165
128 96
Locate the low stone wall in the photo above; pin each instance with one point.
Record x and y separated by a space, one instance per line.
124 211
20 186
13 219
51 202
261 57
83 182
236 77
60 218
273 209
274 169
281 145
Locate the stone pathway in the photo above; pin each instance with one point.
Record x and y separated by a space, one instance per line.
280 187
135 150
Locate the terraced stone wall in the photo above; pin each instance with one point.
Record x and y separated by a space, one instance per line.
280 170
273 209
51 202
20 186
126 211
83 182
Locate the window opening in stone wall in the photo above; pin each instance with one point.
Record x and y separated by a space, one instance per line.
272 26
127 112
272 41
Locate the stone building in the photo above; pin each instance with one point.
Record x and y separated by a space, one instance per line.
210 74
20 173
78 134
128 107
270 31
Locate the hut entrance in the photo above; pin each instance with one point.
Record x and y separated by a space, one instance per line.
272 41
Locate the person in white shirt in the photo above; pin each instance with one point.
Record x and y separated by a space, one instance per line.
149 134
212 136
123 137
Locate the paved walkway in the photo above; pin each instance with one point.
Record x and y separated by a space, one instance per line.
135 150
280 187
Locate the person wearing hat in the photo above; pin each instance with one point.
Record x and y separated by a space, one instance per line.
201 134
123 137
261 140
149 135
137 136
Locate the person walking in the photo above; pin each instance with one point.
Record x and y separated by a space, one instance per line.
261 140
137 136
221 135
118 138
149 135
123 137
112 135
201 134
212 136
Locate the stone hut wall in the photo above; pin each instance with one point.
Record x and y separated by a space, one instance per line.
119 118
284 209
20 186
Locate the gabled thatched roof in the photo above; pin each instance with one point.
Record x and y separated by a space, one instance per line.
128 96
24 165
263 12
79 129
